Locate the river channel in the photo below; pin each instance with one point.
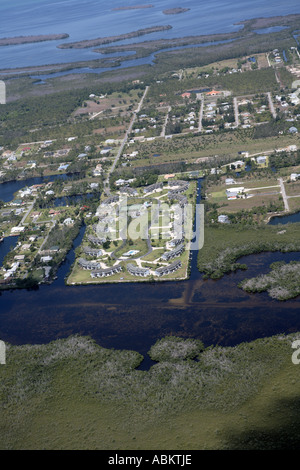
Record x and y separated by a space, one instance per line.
133 316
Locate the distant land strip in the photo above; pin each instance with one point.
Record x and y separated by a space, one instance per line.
175 11
106 40
30 39
133 7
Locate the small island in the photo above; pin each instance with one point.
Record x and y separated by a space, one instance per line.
106 40
175 11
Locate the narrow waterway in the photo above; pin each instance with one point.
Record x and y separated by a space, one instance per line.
8 189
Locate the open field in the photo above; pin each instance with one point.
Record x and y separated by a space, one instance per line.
294 204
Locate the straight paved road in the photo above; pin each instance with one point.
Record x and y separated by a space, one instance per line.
106 182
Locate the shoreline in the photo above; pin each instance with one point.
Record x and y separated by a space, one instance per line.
107 40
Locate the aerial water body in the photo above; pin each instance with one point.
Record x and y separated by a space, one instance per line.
97 18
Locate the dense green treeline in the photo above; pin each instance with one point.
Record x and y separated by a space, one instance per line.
200 56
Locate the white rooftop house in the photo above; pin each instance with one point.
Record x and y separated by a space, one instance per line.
294 176
236 164
119 182
17 230
46 259
229 181
25 192
294 98
223 219
261 160
12 270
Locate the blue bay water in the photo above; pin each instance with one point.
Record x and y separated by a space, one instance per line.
96 18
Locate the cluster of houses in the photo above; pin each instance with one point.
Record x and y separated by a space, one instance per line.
9 273
176 192
137 271
106 272
171 268
95 252
174 247
161 271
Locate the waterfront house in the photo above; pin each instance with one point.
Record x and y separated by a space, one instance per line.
175 242
173 253
17 230
164 270
10 272
106 271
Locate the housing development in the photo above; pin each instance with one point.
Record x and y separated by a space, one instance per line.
207 133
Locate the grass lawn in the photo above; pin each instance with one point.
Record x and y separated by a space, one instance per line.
293 188
294 204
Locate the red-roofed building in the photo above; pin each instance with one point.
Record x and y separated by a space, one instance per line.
213 93
186 95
